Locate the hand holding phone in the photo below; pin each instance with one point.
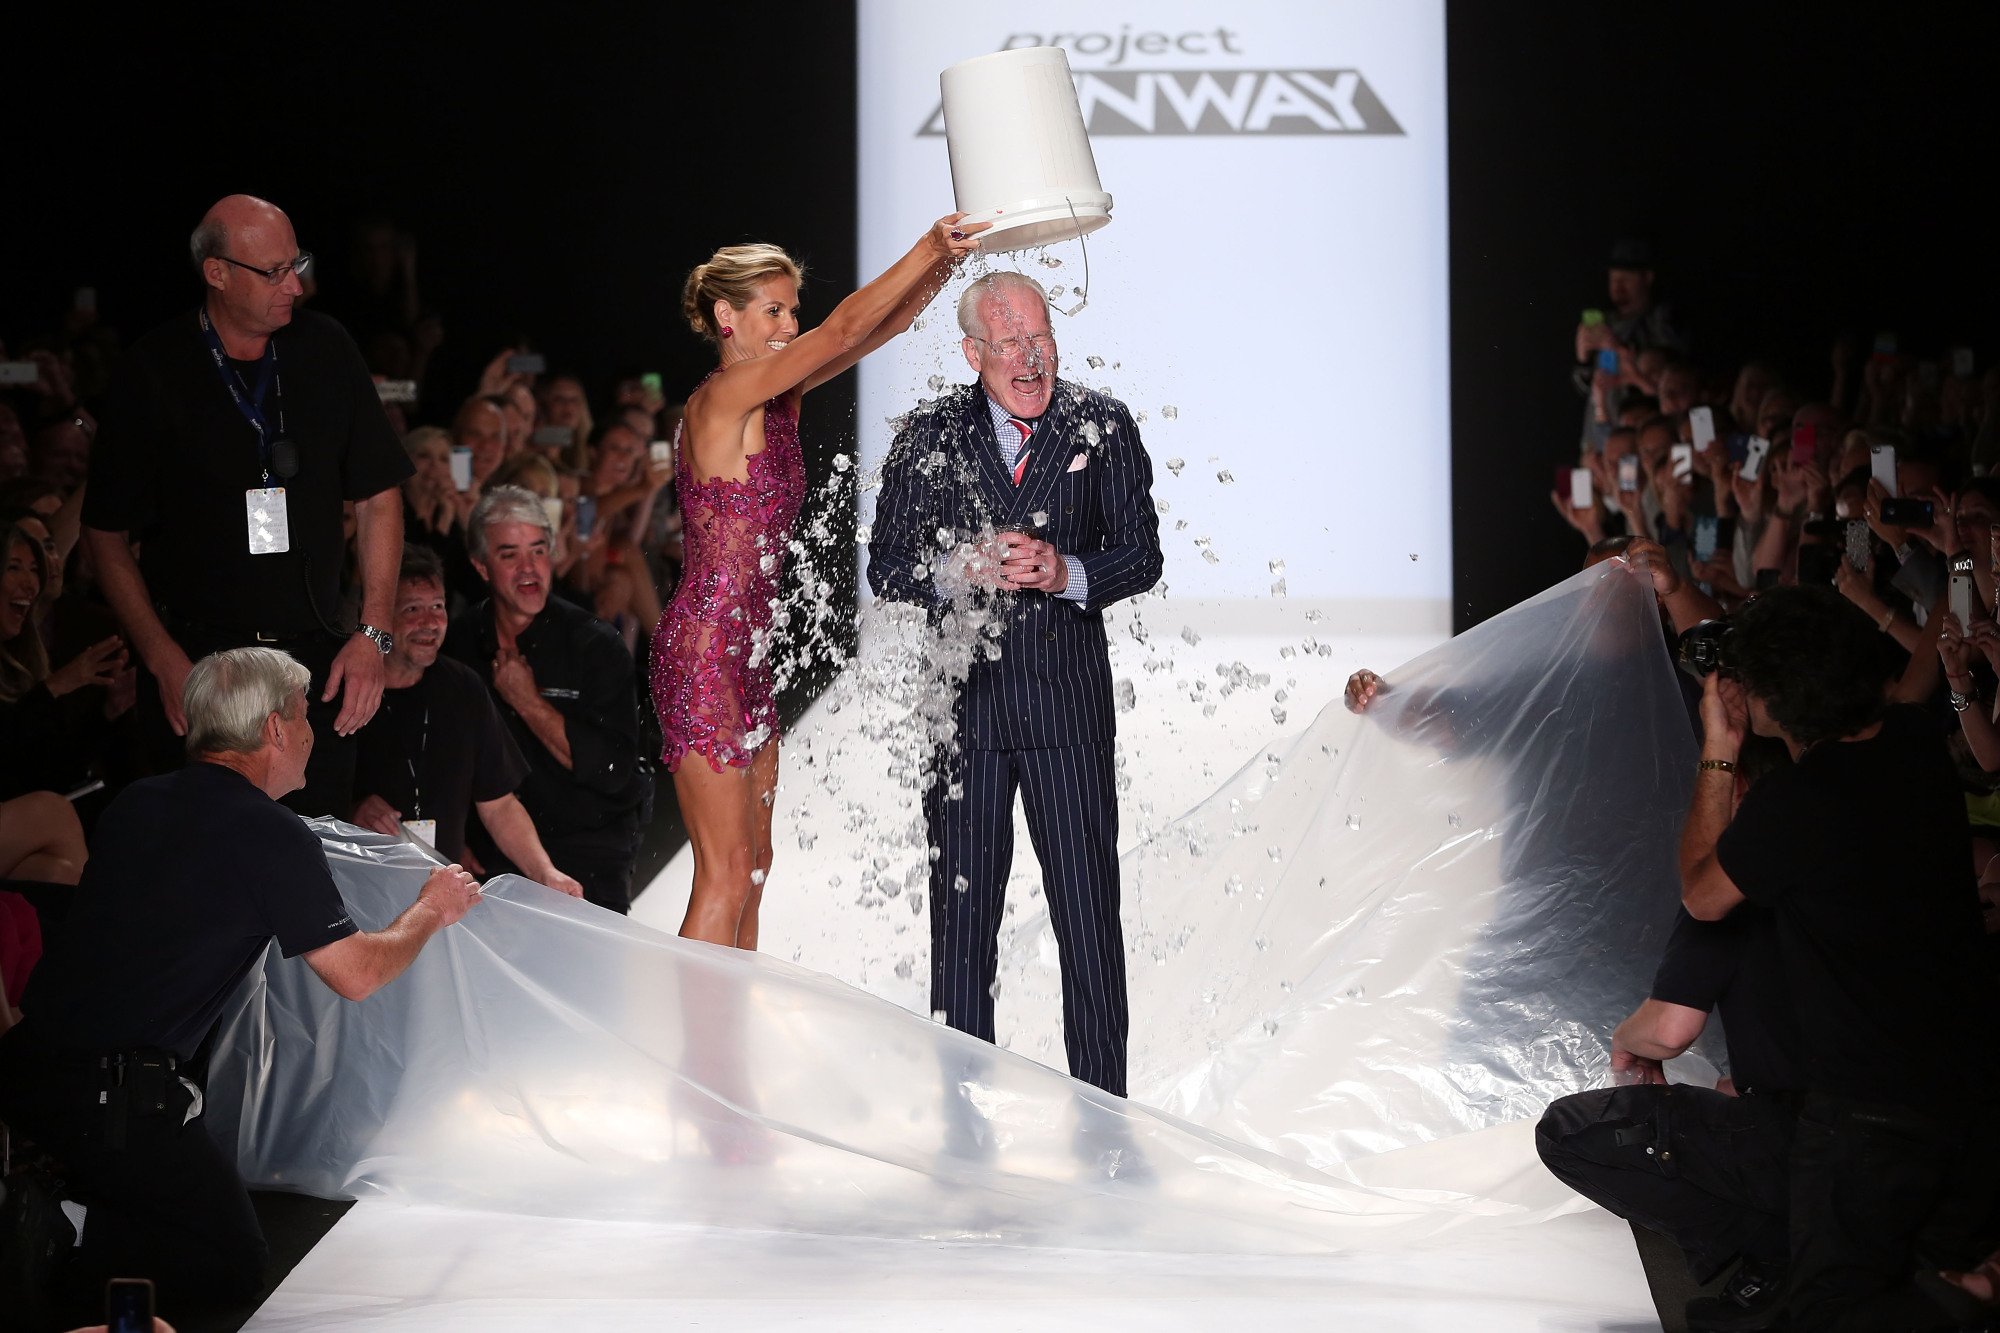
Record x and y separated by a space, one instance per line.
1701 425
1882 466
527 363
1581 495
1860 551
1753 457
1961 592
1805 444
1628 473
1683 459
128 1305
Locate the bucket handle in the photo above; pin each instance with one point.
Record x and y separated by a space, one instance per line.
1082 291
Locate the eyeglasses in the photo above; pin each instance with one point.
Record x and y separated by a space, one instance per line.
1039 343
302 266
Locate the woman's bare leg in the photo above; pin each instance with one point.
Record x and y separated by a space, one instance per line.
40 838
764 784
719 810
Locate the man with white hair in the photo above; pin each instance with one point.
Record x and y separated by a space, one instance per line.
1054 480
563 681
192 874
227 447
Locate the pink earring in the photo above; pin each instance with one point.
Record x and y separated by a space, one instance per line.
728 332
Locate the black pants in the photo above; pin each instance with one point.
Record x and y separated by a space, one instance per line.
1702 1168
1881 1198
165 1204
1071 800
329 788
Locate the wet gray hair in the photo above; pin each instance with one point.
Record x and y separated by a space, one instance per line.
981 290
504 504
209 240
229 695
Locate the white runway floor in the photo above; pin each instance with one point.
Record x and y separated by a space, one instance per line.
389 1265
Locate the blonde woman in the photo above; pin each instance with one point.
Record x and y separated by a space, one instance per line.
741 480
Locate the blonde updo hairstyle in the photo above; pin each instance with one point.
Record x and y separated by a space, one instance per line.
732 274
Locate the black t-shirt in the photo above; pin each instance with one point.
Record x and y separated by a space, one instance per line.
190 875
1860 849
1734 968
173 458
446 726
583 669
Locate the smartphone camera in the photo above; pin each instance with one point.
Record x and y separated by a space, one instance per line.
128 1305
1908 512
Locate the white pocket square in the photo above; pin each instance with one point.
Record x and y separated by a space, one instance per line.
1080 462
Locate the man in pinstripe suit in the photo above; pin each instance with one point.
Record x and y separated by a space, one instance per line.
1060 473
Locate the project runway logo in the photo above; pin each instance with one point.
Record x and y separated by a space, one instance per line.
1117 100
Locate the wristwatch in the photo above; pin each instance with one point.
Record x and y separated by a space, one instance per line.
381 638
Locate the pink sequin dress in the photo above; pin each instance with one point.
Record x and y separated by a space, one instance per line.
711 668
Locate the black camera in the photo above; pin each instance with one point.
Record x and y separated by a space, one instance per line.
1704 649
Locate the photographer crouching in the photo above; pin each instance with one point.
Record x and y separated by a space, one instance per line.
192 874
1858 850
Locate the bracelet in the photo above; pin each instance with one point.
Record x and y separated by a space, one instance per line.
1888 619
1717 766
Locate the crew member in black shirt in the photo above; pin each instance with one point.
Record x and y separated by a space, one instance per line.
565 686
1859 850
192 874
1702 1166
228 442
436 747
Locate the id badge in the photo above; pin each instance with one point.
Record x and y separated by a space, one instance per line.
270 528
424 831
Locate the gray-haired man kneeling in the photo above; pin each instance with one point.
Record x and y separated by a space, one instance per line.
191 874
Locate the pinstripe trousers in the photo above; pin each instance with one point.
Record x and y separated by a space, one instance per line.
1071 801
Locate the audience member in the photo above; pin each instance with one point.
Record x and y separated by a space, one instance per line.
482 428
436 748
567 694
52 723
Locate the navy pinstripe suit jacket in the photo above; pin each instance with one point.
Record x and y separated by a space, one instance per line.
1052 683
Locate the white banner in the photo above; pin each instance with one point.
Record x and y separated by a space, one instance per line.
1269 298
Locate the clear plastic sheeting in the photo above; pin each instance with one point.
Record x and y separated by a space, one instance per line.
1359 970
1399 927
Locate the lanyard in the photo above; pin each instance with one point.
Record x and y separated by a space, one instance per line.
416 783
250 403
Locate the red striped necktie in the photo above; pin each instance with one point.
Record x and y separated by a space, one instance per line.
1021 461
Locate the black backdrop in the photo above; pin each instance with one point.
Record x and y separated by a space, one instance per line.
1801 169
1794 167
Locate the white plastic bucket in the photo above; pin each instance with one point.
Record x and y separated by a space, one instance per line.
1020 158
